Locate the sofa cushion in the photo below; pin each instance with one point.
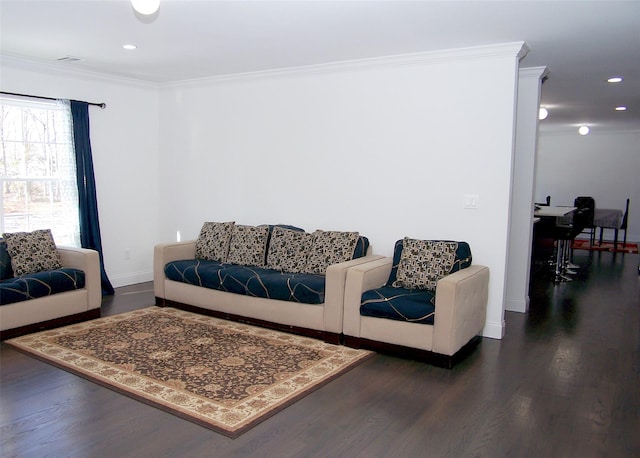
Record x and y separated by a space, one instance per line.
462 258
32 252
288 250
400 304
213 242
272 284
40 284
248 245
250 281
5 262
200 272
330 247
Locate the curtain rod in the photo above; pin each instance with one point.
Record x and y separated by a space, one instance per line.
101 105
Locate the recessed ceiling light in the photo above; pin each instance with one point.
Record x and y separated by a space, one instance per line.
583 130
615 79
129 47
145 7
621 108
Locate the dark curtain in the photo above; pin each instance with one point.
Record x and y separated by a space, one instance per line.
89 225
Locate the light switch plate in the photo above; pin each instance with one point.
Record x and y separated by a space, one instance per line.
471 201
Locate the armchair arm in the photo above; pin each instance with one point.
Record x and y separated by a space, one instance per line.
360 279
336 278
461 308
89 262
167 252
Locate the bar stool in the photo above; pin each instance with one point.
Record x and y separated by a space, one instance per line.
564 235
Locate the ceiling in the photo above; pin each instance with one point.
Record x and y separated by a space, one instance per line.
582 43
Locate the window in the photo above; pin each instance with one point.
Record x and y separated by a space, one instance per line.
38 188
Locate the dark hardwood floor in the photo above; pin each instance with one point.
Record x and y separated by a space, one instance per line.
564 382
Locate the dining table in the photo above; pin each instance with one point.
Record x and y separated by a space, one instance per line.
547 211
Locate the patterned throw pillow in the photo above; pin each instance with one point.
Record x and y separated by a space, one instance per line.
424 262
330 247
248 245
288 250
32 252
213 242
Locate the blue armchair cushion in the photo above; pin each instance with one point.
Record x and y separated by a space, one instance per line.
40 284
250 281
400 304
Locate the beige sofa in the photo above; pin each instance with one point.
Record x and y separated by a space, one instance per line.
57 309
322 321
460 314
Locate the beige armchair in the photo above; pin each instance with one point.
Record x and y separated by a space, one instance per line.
460 314
57 309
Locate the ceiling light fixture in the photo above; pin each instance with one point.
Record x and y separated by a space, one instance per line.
543 113
129 47
583 130
145 7
615 79
621 108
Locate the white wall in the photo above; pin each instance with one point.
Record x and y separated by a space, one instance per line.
605 166
124 141
387 147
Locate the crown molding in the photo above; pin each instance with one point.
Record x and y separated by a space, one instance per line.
515 50
534 72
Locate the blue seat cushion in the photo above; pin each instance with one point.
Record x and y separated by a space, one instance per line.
40 284
250 281
400 304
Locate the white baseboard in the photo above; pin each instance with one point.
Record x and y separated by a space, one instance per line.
493 330
131 278
517 305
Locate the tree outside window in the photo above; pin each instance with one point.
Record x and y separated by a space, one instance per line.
38 187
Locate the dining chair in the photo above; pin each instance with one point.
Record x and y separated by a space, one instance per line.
589 204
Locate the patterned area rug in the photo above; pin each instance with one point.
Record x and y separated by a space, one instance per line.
220 374
579 244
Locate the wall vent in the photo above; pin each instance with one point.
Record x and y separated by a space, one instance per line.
68 59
